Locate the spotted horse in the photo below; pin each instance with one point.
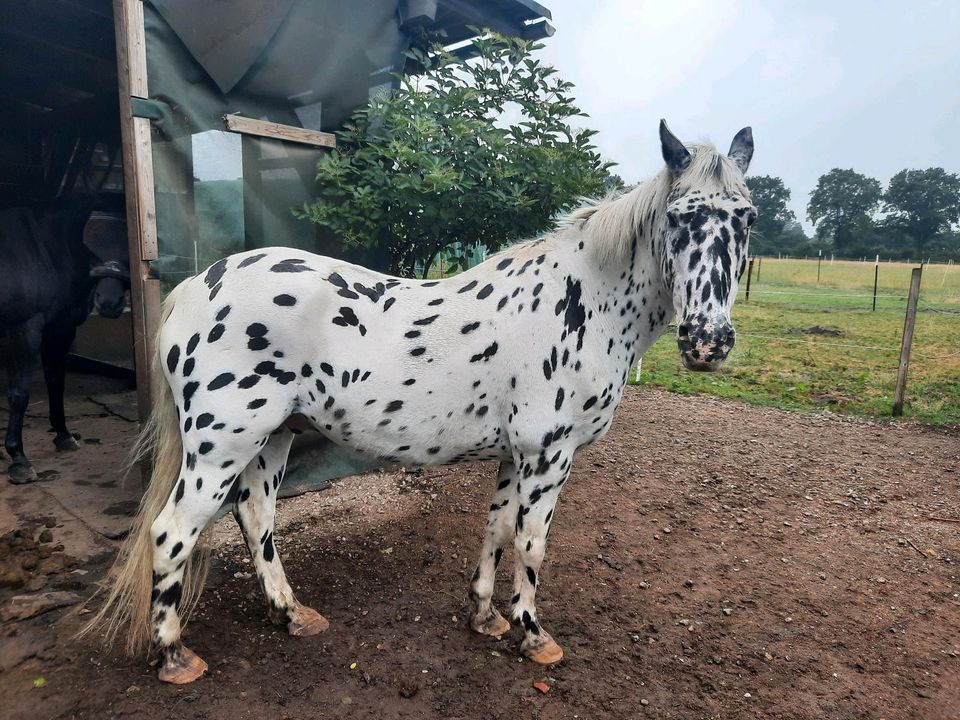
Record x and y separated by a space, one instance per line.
522 359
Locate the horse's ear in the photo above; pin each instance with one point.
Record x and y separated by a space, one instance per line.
675 154
741 149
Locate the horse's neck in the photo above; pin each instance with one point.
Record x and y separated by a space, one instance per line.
634 305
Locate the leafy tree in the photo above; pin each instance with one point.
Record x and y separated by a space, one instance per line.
794 241
770 196
434 163
841 207
922 204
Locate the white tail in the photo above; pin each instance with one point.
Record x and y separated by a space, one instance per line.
126 607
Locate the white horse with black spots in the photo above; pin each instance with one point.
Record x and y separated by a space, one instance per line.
522 359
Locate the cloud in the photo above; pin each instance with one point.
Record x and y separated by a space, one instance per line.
869 85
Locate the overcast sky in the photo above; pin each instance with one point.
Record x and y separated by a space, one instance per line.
868 84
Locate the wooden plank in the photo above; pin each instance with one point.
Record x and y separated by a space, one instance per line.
141 221
136 50
908 324
265 128
146 200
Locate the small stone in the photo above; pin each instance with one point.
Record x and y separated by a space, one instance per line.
727 611
747 695
667 530
881 580
46 536
788 619
688 583
644 701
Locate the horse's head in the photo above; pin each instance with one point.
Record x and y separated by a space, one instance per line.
708 218
112 279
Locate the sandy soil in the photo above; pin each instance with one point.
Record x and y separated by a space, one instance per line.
709 560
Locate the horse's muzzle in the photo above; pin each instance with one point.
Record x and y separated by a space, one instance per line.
704 346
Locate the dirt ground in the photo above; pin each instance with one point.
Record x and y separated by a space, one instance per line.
708 560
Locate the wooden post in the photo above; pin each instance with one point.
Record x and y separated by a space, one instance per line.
749 273
759 263
819 260
908 324
876 277
138 190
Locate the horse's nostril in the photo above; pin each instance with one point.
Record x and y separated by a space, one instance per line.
683 330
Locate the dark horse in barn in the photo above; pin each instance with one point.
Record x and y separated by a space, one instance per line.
49 283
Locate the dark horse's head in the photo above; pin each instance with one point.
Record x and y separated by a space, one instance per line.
112 279
105 239
709 214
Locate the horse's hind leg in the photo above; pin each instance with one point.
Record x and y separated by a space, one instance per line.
205 479
24 344
485 618
255 510
53 351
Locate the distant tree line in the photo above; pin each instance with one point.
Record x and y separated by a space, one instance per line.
916 216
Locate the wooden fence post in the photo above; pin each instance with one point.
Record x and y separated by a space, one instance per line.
749 275
876 277
908 324
759 264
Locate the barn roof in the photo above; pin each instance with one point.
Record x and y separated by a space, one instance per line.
59 73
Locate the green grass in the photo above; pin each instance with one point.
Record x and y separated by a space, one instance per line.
777 361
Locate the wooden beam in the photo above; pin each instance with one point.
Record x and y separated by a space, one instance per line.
146 200
276 131
136 50
139 192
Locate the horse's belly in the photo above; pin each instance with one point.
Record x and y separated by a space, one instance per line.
404 432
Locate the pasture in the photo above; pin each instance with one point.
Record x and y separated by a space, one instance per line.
806 346
709 560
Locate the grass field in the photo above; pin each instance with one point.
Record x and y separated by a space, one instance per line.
811 346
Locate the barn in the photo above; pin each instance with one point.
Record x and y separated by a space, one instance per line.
199 124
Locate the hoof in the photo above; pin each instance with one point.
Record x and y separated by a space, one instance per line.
65 443
182 667
22 474
493 624
305 621
543 652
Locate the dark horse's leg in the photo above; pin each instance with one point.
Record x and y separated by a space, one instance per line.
23 349
57 340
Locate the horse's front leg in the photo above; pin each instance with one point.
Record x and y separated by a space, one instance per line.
24 344
484 617
536 499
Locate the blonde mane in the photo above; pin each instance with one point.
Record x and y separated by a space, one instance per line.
615 222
